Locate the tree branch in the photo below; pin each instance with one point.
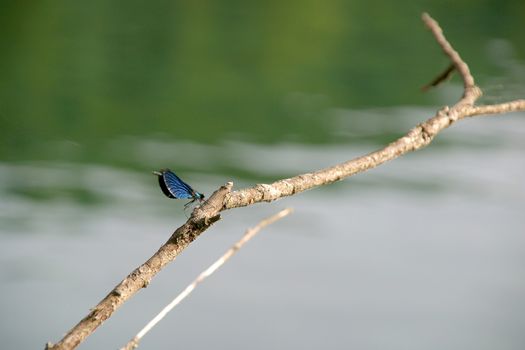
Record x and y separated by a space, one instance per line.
202 217
200 220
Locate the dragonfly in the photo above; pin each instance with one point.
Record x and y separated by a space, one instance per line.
173 187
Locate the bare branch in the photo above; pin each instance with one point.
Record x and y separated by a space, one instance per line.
418 137
223 199
249 234
201 219
461 66
500 108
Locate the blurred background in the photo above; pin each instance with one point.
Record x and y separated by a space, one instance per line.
426 252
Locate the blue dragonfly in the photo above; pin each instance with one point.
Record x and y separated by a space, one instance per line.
173 187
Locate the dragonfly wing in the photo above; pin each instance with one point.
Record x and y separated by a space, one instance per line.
174 187
165 188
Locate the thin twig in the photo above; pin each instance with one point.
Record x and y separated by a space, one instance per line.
202 218
500 108
447 73
249 234
461 66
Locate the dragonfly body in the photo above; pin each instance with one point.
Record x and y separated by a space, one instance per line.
173 187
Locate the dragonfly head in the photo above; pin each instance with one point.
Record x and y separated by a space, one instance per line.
199 196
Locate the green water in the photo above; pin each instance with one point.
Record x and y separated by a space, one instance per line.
79 76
